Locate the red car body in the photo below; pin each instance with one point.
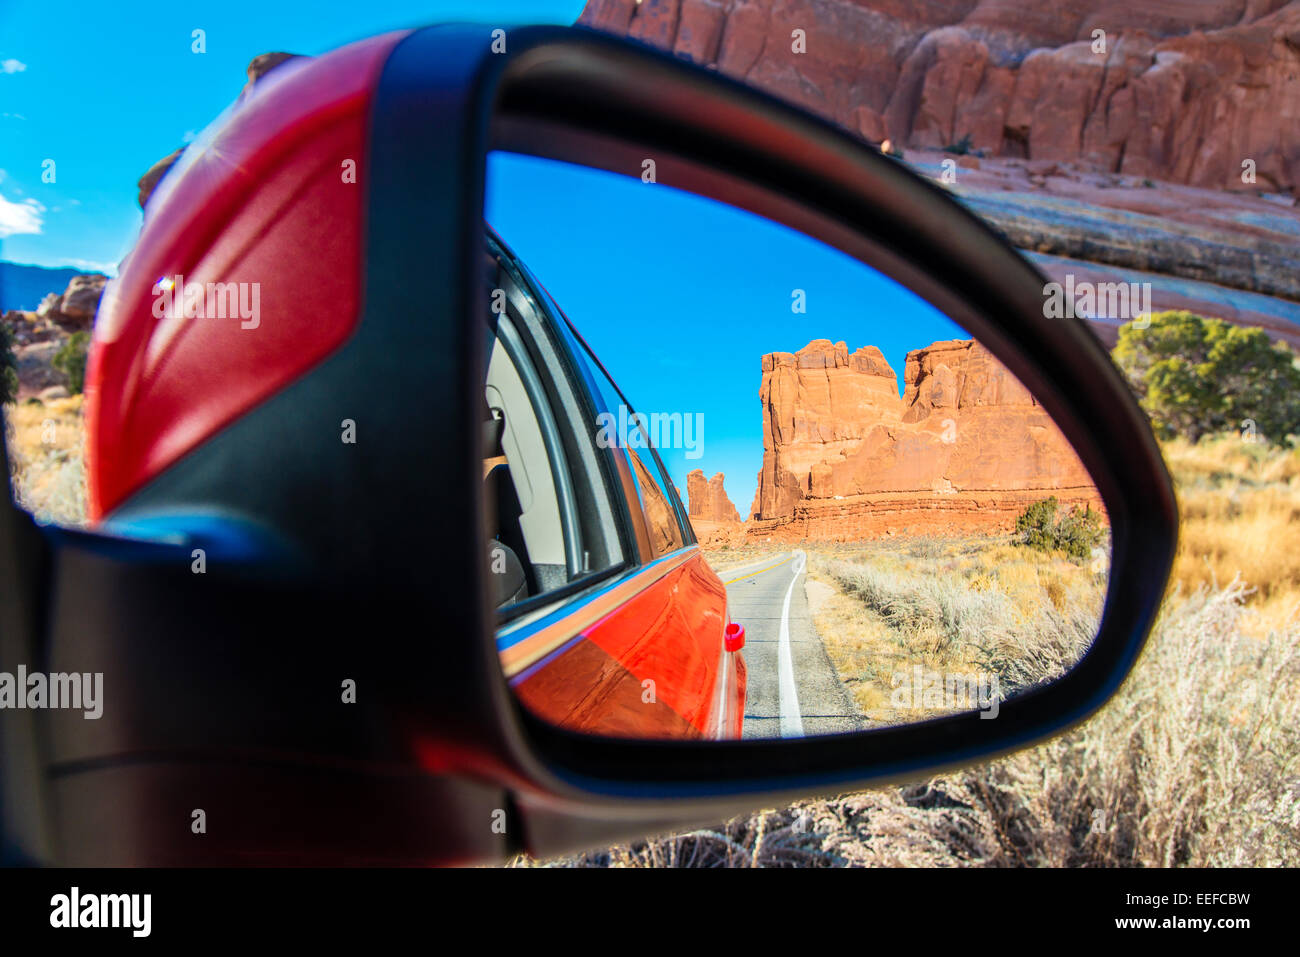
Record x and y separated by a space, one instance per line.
264 198
649 653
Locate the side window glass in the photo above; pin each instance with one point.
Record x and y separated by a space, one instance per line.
660 516
550 517
618 427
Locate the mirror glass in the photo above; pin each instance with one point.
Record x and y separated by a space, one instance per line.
740 484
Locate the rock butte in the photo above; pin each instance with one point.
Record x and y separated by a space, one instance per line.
965 448
713 515
708 499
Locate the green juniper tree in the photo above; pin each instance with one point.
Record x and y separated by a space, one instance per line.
8 367
1196 376
71 360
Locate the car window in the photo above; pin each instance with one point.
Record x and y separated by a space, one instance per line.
551 519
661 506
661 518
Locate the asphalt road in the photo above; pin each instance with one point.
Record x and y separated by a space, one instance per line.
793 689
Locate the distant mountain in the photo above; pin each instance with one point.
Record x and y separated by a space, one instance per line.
23 287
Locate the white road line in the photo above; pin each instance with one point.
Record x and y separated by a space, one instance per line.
787 695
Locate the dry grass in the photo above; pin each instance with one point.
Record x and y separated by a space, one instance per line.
1240 508
1194 763
723 557
959 607
46 443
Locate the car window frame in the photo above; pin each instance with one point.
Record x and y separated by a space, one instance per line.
578 380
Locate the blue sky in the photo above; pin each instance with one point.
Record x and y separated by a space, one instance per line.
106 90
680 297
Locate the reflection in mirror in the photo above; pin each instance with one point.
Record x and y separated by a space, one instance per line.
757 488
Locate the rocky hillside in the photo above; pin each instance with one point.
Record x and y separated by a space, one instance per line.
39 336
965 448
1176 91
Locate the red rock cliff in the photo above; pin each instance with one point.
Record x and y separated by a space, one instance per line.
1183 91
966 447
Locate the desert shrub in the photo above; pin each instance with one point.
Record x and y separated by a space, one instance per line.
941 618
8 367
962 147
1037 523
1194 763
1197 377
1076 532
71 360
1079 531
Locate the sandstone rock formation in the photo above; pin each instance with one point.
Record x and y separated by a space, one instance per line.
264 63
37 339
81 298
77 304
1242 242
153 176
661 519
1182 92
1214 252
714 517
707 499
964 448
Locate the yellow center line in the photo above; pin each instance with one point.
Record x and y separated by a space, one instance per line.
759 572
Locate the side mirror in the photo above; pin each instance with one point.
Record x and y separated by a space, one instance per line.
591 102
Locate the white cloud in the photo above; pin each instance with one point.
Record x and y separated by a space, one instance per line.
12 66
20 218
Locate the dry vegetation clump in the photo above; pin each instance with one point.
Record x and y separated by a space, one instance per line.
918 826
1195 762
974 607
